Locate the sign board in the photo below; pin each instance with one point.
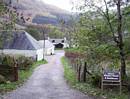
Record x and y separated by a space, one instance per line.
111 78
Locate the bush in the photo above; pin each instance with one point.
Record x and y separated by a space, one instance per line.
24 63
2 79
96 80
8 60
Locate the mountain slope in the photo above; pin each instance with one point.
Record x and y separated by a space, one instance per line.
41 12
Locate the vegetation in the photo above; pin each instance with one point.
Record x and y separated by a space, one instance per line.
8 19
88 87
34 32
99 38
101 35
23 76
69 72
39 31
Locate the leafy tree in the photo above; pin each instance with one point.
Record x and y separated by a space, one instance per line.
8 19
34 32
55 32
102 27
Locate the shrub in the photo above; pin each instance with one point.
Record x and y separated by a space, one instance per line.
96 80
24 62
8 60
2 79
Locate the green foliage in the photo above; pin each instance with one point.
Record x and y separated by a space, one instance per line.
91 87
127 45
23 76
34 32
69 72
95 79
8 60
2 79
8 19
55 32
24 62
76 50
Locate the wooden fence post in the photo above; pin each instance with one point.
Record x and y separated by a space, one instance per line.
16 71
79 72
84 72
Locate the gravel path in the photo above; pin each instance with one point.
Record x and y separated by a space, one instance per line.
47 82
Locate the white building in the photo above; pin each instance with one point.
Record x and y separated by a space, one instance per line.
24 44
59 43
49 47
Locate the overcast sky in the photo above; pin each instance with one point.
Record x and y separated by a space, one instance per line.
64 4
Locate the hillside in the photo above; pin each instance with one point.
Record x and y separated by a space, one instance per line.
40 12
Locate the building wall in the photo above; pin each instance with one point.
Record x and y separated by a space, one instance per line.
65 45
50 51
39 54
27 53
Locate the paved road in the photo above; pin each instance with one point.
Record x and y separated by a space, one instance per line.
47 82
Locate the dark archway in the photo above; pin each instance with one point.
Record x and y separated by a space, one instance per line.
59 45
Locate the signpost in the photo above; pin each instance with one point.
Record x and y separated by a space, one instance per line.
111 78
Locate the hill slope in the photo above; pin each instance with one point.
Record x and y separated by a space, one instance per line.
40 12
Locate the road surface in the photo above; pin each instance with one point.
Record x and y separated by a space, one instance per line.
47 82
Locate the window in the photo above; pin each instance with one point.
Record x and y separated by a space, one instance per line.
53 41
62 41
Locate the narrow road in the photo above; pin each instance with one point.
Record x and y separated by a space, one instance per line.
47 82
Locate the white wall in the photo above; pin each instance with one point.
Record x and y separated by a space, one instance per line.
39 54
50 51
65 45
27 53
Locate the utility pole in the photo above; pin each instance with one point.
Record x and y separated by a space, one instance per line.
44 45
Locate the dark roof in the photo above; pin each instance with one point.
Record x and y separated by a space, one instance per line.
22 41
58 40
48 44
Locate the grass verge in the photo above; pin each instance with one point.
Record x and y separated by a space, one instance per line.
23 76
88 88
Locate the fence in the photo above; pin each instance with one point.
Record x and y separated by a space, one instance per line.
78 63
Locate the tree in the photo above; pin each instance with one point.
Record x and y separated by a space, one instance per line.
7 22
110 11
34 32
55 32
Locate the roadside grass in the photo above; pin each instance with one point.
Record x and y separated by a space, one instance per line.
69 72
88 88
23 76
59 49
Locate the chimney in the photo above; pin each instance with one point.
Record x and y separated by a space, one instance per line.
48 38
65 39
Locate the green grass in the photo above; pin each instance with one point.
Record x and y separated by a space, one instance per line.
88 88
68 72
23 76
72 50
58 48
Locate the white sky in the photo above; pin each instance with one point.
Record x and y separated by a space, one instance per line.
64 4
